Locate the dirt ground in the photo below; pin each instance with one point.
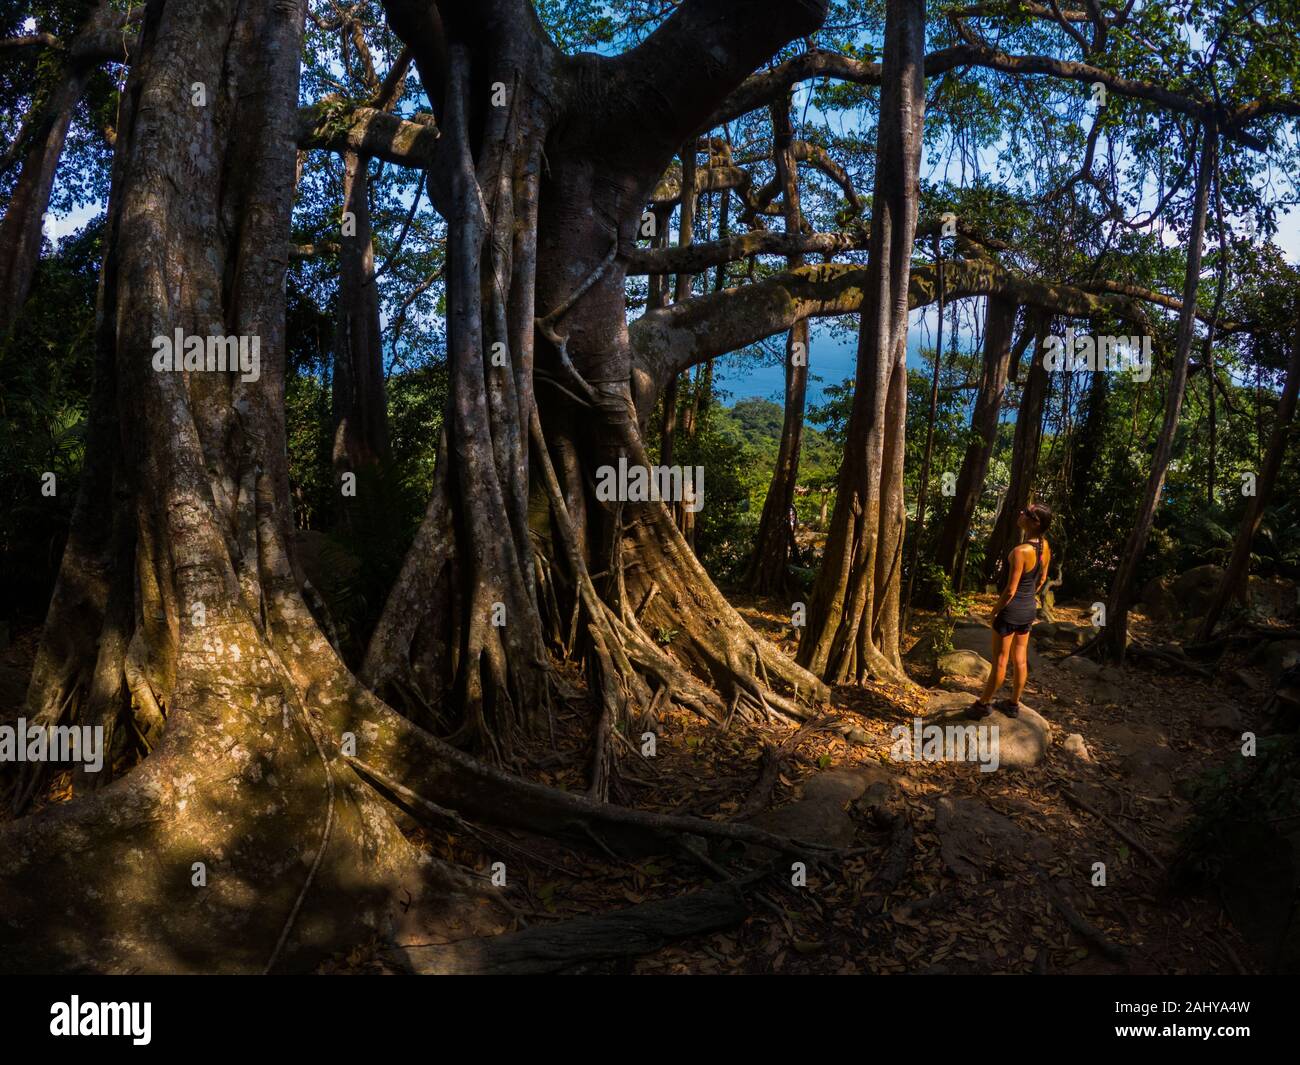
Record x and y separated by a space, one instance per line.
948 869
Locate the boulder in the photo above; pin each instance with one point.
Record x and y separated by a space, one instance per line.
964 664
1083 667
1272 597
846 783
968 636
1158 600
1076 748
1107 687
1279 656
1022 741
1061 635
938 702
1194 589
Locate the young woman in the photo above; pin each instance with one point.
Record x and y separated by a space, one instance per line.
1015 613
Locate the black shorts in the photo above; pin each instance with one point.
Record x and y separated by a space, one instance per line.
1004 628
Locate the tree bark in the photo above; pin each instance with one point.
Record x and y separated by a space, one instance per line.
999 322
296 851
774 543
1115 634
852 629
602 161
253 775
360 401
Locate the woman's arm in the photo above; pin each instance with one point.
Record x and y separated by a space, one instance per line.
1015 566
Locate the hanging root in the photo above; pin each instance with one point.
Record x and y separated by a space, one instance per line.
625 669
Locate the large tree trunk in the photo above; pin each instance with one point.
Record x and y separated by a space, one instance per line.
360 403
240 780
852 625
1233 582
999 322
1024 452
1115 634
768 573
553 249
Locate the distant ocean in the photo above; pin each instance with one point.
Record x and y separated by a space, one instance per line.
832 358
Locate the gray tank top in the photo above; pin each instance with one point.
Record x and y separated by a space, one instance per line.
1023 607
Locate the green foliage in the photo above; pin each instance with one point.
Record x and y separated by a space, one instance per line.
724 524
951 602
1252 796
46 368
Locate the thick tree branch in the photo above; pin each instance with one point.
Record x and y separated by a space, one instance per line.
670 340
407 142
665 87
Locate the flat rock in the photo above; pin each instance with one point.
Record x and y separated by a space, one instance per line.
845 783
978 637
1022 741
821 815
1129 738
1061 635
975 840
1084 667
1143 755
939 701
811 821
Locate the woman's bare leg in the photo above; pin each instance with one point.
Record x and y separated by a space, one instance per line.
1020 664
998 657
